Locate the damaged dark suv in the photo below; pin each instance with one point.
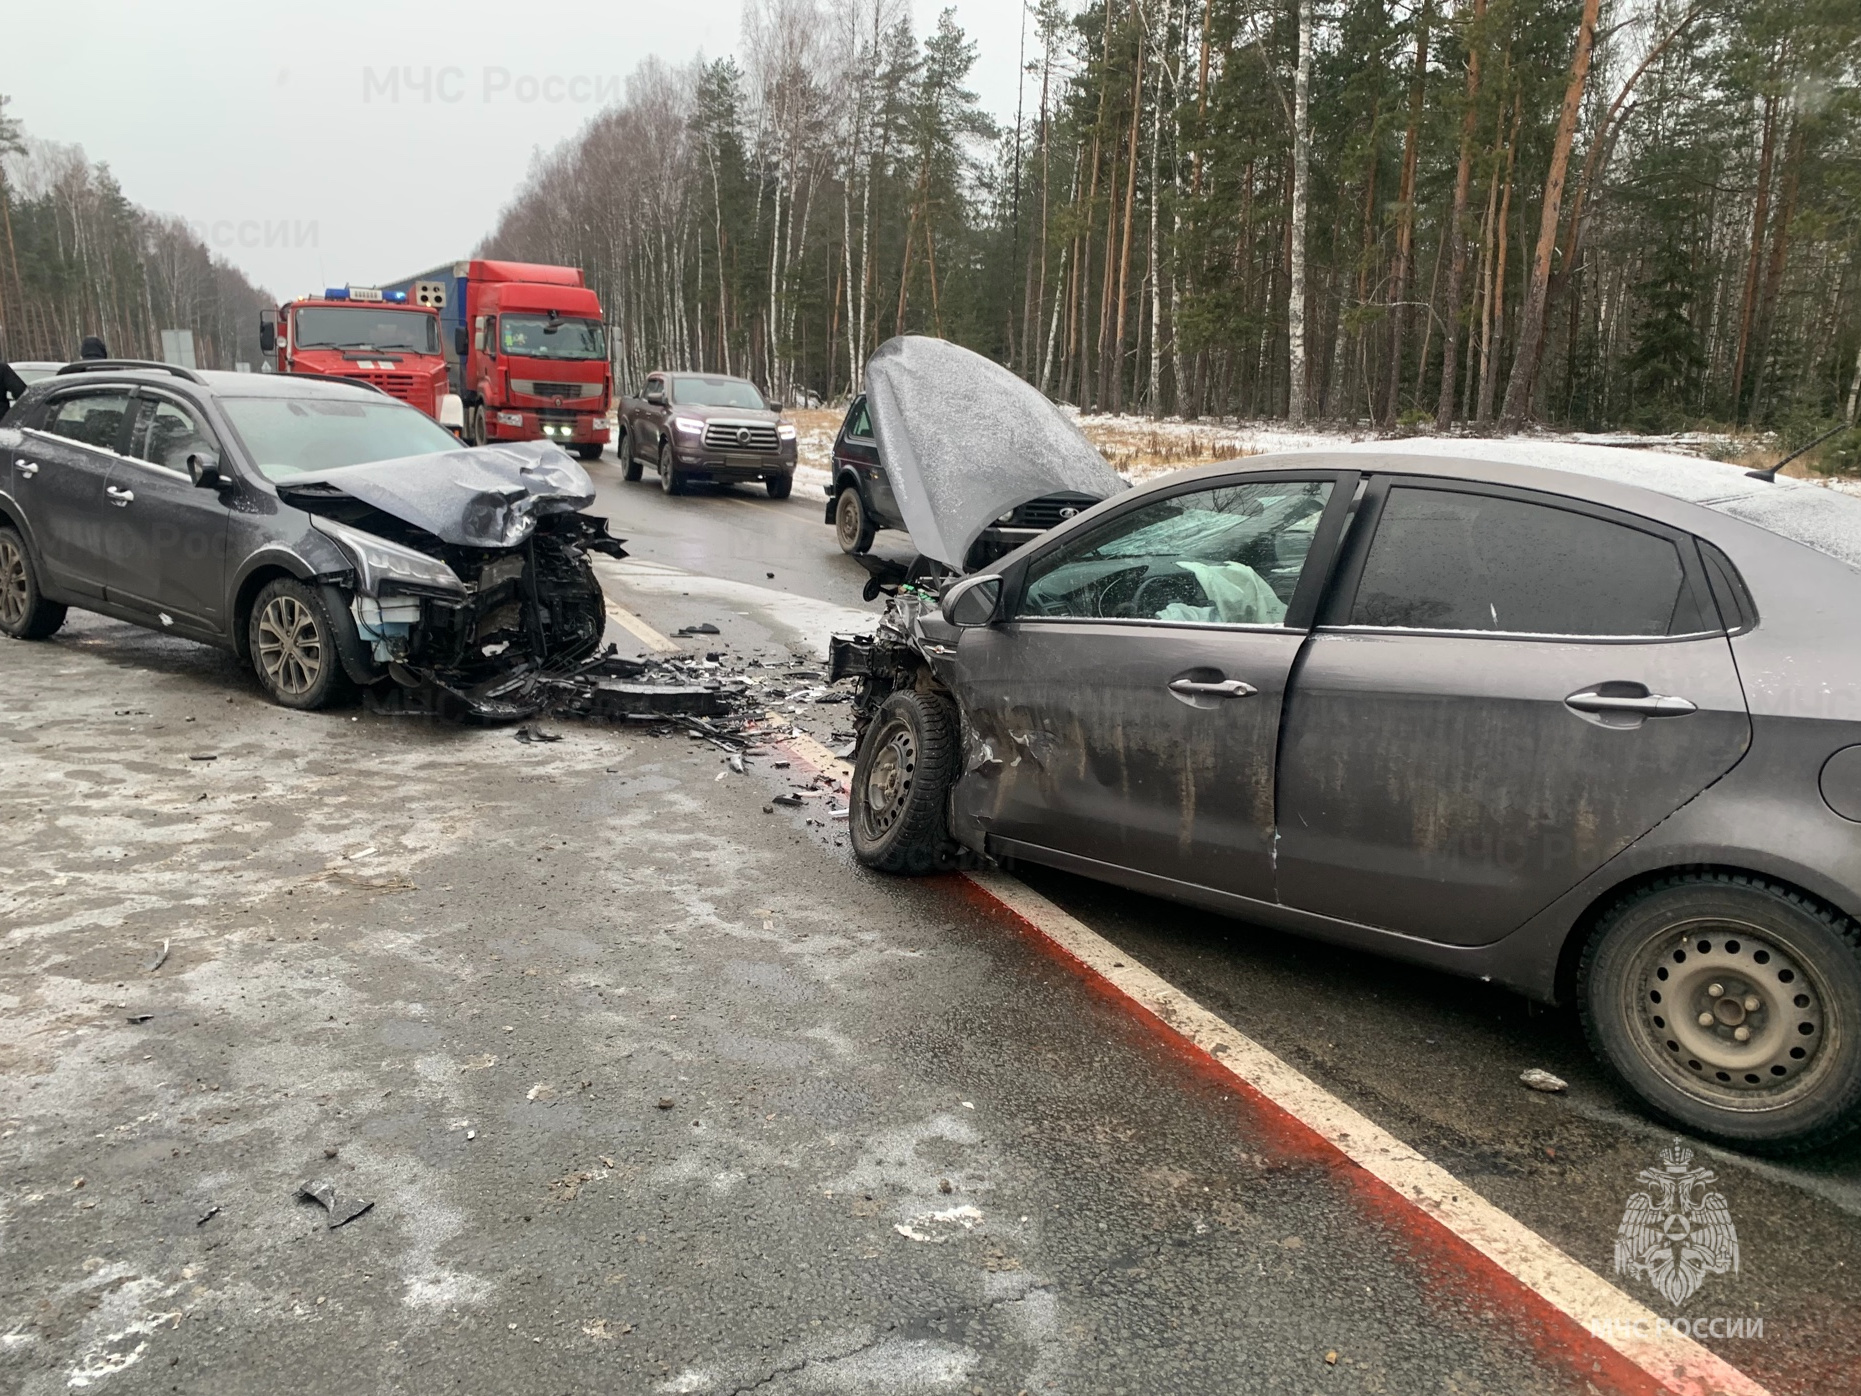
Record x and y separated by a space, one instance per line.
324 532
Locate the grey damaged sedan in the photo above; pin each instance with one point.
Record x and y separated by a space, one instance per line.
1580 721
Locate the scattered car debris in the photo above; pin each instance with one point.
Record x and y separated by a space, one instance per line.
203 756
736 763
702 628
536 734
1541 1080
666 1102
139 1017
161 958
789 798
208 1215
342 1210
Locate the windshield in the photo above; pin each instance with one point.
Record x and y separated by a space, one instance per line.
367 327
716 392
287 436
538 337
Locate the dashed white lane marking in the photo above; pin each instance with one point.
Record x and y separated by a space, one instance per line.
1671 1358
639 629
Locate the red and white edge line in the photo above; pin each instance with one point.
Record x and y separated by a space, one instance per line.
1604 1312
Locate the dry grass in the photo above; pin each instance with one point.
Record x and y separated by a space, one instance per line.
1147 447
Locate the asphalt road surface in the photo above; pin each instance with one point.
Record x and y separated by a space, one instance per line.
653 1089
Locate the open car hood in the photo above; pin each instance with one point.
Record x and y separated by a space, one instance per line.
964 441
474 497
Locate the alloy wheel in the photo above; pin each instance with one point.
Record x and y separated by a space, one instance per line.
15 584
1730 1014
290 646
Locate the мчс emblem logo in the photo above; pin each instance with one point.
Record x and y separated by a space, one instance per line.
1675 1234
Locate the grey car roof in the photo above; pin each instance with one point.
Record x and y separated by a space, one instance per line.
222 383
1812 515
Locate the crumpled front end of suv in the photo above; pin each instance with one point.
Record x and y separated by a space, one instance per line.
470 569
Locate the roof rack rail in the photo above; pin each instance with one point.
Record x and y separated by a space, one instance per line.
98 365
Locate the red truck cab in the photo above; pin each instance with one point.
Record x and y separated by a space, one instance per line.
364 334
527 349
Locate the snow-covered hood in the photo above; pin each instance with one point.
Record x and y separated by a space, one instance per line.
474 497
964 441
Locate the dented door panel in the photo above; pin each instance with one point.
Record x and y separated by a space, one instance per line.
1080 744
1441 786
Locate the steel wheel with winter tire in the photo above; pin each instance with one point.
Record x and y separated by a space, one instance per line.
293 646
901 784
852 530
669 478
1731 1005
25 614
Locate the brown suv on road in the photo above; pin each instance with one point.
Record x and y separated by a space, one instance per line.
704 427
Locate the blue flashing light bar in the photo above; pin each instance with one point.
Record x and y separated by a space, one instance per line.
336 293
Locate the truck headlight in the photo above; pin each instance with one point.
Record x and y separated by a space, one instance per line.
690 426
785 430
379 562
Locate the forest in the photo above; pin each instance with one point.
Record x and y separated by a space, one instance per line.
1640 214
77 258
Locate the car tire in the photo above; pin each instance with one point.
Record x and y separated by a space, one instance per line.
475 431
1748 956
899 816
292 643
25 614
632 468
590 450
670 480
853 528
779 486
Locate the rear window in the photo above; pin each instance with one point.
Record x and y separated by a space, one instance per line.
1444 560
287 436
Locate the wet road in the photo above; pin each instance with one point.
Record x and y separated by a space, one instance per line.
653 1089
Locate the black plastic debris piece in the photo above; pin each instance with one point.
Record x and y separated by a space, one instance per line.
614 698
537 734
203 756
791 800
702 628
208 1215
342 1210
139 1017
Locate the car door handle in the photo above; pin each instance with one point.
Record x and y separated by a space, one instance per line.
1651 705
28 468
1227 688
119 498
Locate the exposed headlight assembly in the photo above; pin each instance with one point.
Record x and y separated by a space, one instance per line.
379 563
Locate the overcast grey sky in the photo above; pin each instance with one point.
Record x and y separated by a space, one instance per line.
274 130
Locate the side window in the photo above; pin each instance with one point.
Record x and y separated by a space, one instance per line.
1226 556
1443 560
92 419
859 421
171 434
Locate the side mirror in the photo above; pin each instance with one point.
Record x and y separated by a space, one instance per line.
203 468
460 343
656 396
972 601
452 412
268 332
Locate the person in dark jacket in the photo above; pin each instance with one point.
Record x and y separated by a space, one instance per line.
92 348
11 387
